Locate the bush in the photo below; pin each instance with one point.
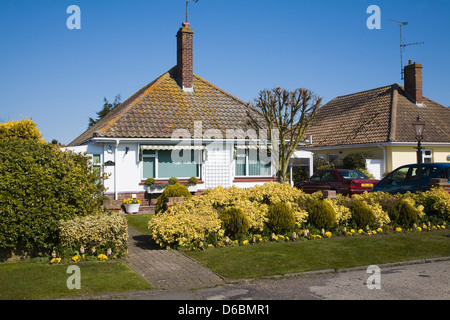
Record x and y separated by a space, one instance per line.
172 181
23 129
403 213
280 218
40 185
436 202
235 222
99 231
321 214
186 224
354 161
362 214
193 181
150 181
173 190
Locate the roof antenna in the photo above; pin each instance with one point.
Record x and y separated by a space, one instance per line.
402 45
187 4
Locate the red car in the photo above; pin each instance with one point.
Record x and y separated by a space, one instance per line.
344 181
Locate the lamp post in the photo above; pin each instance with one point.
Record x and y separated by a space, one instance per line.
419 126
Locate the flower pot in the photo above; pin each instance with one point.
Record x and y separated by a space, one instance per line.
193 188
132 207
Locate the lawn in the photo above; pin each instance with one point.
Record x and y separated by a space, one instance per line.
278 258
36 281
292 257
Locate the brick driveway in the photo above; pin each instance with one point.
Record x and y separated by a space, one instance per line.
167 269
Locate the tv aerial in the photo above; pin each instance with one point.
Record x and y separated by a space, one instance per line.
403 45
187 4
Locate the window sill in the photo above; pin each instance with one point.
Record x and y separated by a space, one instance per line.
167 180
254 179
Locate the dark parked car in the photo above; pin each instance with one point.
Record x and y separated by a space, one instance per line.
343 181
405 178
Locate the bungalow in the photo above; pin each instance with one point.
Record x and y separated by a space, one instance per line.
378 124
182 126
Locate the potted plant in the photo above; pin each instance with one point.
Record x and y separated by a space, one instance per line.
132 205
192 184
150 183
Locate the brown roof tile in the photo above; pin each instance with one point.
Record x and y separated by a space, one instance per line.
162 106
383 114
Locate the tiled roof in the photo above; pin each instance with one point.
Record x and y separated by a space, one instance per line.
379 115
162 106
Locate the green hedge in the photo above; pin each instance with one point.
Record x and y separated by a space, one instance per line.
39 186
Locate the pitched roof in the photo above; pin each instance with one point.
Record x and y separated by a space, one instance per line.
379 115
160 107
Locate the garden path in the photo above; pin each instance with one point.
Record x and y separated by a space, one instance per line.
167 269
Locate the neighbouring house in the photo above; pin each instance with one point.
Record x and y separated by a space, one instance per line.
182 126
378 124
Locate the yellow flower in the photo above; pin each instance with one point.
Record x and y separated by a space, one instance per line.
352 230
360 231
55 260
374 232
76 258
380 230
102 256
398 229
419 228
245 242
328 234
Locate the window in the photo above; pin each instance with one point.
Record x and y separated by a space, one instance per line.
353 174
167 168
427 156
252 163
158 164
332 157
97 164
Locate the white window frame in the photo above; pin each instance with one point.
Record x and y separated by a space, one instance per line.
155 155
427 156
247 173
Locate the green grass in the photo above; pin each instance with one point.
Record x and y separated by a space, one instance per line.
37 281
139 222
335 253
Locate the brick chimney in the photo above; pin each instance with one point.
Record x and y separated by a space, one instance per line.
185 73
413 81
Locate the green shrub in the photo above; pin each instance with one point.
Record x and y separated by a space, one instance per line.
40 185
321 214
172 181
354 161
193 181
99 231
280 218
173 190
362 214
234 221
150 181
403 213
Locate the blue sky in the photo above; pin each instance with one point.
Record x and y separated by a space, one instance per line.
59 77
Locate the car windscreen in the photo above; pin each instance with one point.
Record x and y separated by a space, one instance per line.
352 174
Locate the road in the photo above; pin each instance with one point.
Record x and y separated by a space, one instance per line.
415 281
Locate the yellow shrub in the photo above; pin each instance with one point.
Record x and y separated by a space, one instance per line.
99 230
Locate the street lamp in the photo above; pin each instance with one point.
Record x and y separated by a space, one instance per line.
419 126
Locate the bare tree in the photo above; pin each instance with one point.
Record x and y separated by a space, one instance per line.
290 114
